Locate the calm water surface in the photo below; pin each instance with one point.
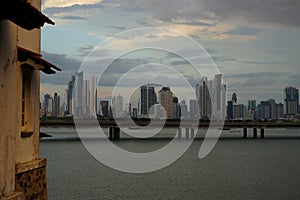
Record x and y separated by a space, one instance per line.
235 169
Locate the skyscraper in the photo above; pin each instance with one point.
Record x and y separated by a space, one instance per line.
184 110
70 95
176 108
269 110
56 105
291 101
230 110
234 98
264 110
93 96
211 95
166 100
86 98
194 109
252 105
218 98
205 100
79 94
117 106
104 108
148 99
46 101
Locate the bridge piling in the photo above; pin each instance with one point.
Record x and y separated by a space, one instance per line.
114 133
192 133
262 133
254 133
110 133
117 133
245 133
179 133
187 133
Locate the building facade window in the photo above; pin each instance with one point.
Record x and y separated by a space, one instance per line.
26 102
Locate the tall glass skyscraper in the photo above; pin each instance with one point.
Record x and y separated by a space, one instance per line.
291 101
148 98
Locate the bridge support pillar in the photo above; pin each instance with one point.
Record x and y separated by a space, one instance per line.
192 133
254 133
245 132
110 132
179 133
187 133
114 133
262 133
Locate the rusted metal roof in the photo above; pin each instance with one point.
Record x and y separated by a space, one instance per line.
23 14
47 67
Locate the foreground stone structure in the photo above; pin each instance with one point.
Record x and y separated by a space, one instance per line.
22 171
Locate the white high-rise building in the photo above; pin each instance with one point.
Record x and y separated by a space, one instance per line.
93 96
211 95
184 110
117 107
86 98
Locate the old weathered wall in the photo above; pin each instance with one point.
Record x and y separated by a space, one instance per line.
8 102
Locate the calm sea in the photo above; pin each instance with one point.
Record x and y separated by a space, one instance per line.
235 169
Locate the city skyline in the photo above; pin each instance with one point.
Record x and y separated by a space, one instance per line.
210 102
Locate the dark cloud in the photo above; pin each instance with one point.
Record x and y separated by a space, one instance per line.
196 23
211 51
123 65
267 12
121 28
265 62
296 76
282 12
257 75
278 51
180 62
71 17
223 59
68 65
144 22
84 50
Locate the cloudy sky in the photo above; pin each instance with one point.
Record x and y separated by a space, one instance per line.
255 44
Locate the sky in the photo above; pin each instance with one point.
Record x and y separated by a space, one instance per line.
254 44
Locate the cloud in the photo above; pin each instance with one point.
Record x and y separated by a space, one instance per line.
70 9
84 50
244 31
265 62
68 65
121 28
195 23
257 75
282 12
70 17
223 59
66 3
144 22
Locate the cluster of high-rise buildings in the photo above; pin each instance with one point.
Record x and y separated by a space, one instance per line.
81 100
265 110
51 106
210 102
81 96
